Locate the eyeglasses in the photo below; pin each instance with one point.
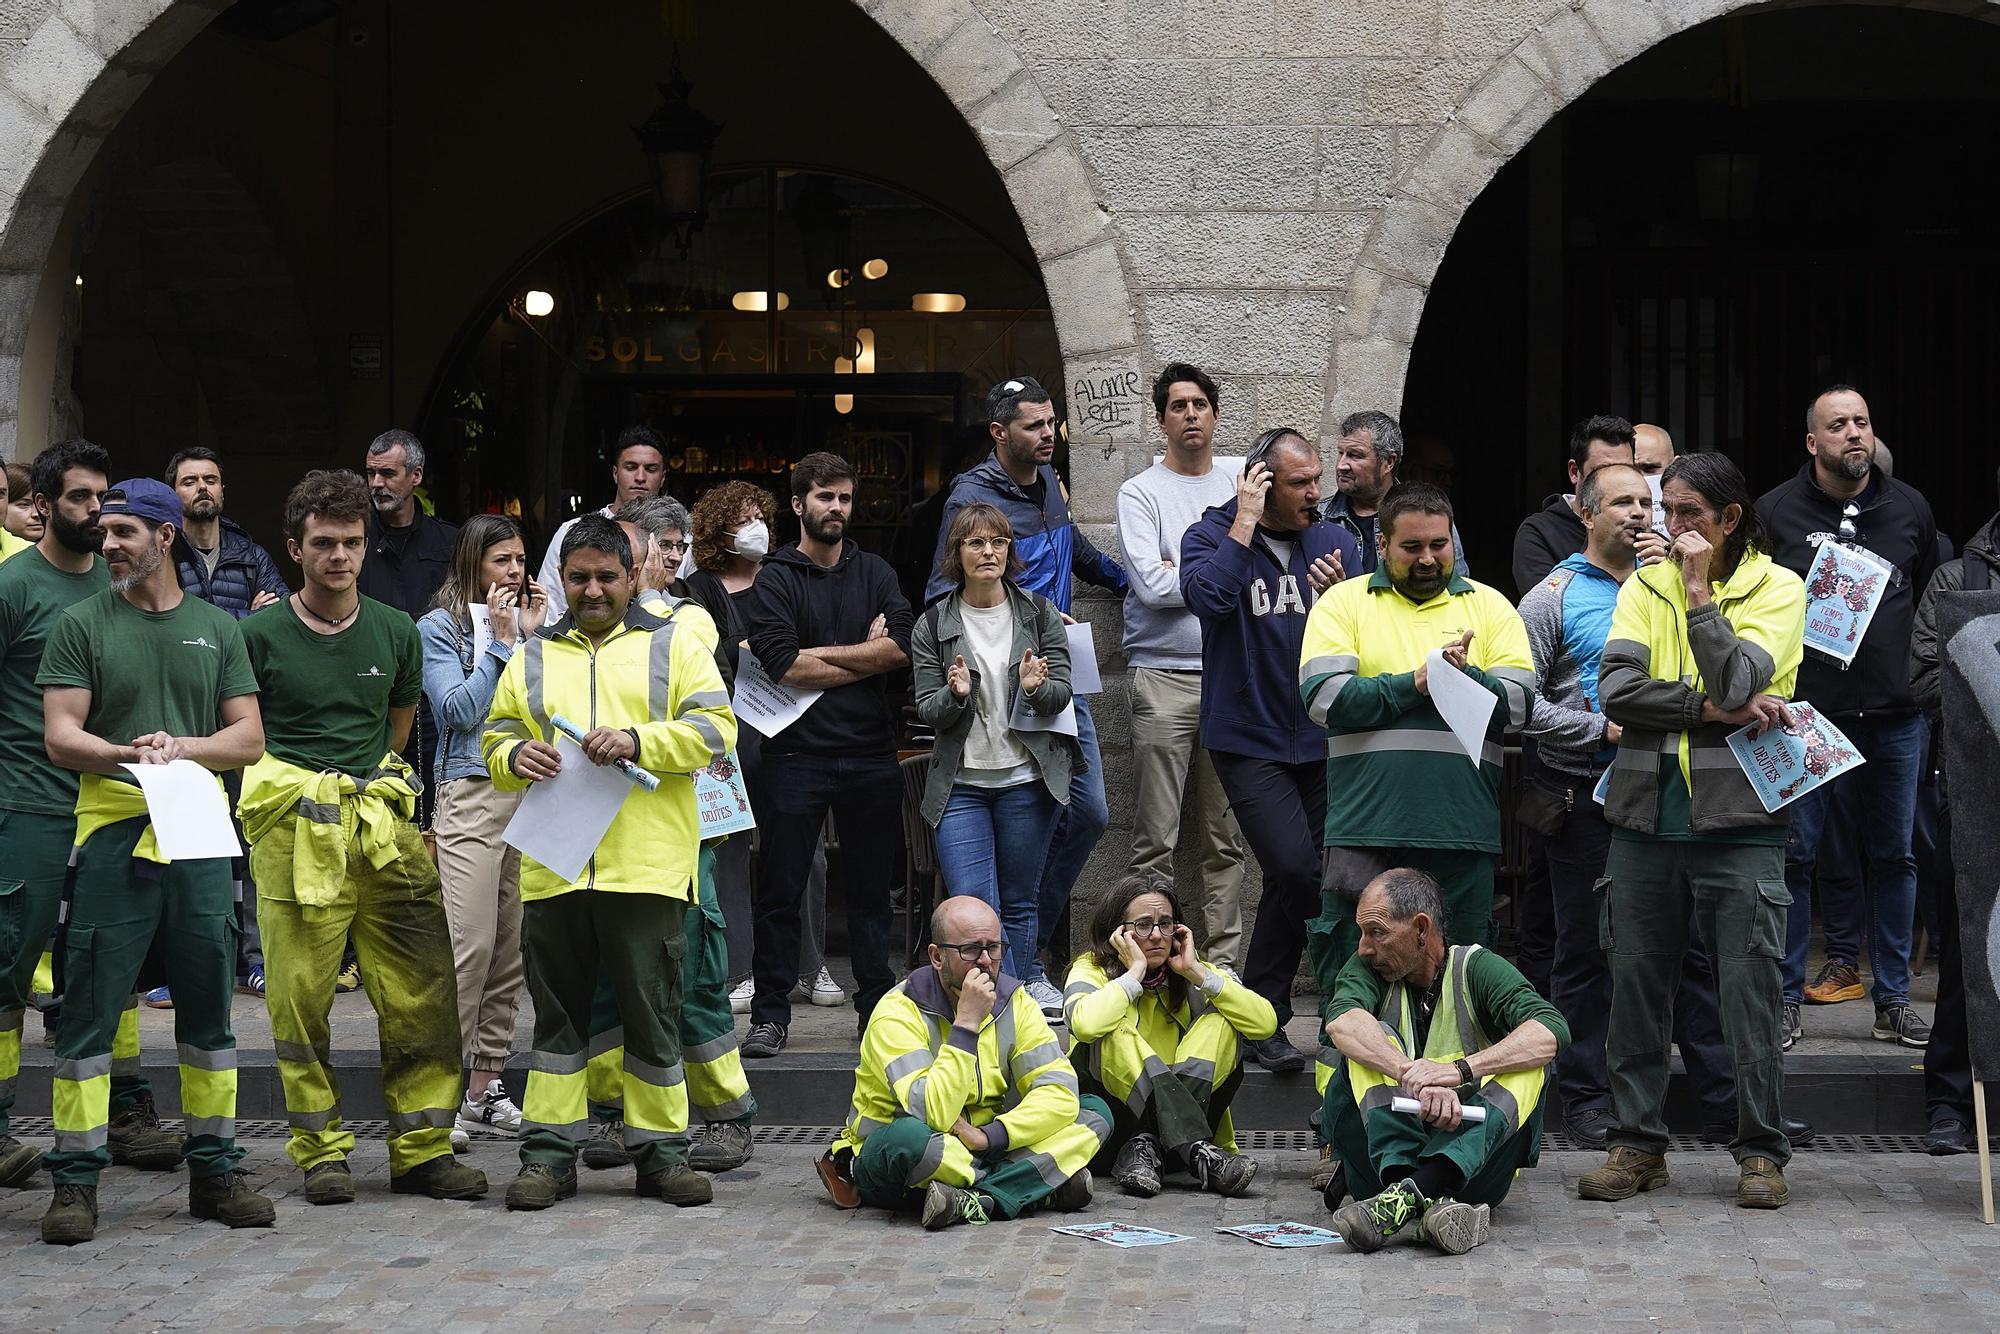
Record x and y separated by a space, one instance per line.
1146 926
987 543
972 949
1847 518
668 547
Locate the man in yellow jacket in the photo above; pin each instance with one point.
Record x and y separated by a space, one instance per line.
965 1108
1701 644
652 700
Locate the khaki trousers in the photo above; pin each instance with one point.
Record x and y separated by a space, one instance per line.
1168 759
481 879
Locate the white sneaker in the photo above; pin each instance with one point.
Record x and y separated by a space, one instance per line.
821 990
1044 994
740 994
493 1111
461 1140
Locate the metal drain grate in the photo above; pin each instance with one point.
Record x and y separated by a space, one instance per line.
1251 1141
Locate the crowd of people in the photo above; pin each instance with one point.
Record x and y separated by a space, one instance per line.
1323 689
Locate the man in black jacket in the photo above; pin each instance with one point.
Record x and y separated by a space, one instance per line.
1842 496
827 616
1555 532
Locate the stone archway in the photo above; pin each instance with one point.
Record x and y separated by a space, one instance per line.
1375 325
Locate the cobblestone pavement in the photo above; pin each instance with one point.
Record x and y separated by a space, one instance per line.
1871 1241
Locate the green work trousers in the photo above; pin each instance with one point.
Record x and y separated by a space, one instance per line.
1375 1141
120 904
898 1160
1738 898
34 863
636 943
395 914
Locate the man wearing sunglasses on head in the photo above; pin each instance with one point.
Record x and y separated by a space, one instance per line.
1843 494
965 1108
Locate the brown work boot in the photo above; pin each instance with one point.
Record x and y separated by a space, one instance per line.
1762 1185
1624 1174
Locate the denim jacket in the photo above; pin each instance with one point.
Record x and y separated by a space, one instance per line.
460 692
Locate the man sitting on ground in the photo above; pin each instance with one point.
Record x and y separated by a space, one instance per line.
1407 991
964 1105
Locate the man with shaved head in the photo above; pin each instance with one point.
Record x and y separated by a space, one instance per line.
965 1108
1652 448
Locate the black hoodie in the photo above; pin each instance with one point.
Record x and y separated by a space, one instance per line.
1545 539
797 604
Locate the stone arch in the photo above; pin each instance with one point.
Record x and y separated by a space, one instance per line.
69 69
1376 323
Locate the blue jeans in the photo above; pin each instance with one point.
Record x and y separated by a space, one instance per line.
1083 823
1887 790
992 843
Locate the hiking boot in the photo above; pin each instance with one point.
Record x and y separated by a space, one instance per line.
948 1206
1454 1227
1335 1189
606 1146
1899 1023
71 1216
229 1200
1367 1225
538 1187
1591 1126
1137 1170
441 1178
137 1139
720 1146
1762 1185
1624 1174
1794 1030
1838 981
764 1040
1218 1171
1325 1169
329 1183
1949 1135
1073 1194
1277 1055
18 1161
678 1185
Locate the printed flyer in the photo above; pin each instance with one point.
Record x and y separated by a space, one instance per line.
1843 588
1783 766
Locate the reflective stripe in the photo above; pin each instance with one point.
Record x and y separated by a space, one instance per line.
1333 664
12 1019
319 812
1096 1124
1054 1076
554 1063
297 1052
1083 988
703 699
1713 757
1052 1174
1469 1038
658 1076
83 1068
1324 695
863 1126
82 1141
733 1110
313 1120
1516 693
531 679
927 1162
635 1135
575 1131
403 1122
1499 1098
702 1053
1376 1098
1404 739
710 733
916 1099
216 1127
1046 1054
198 1059
1197 1068
609 1040
907 1064
659 672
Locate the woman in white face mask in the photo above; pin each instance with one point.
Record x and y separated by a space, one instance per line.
732 535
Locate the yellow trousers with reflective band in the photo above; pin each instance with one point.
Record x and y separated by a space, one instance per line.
636 943
396 916
1181 1095
122 907
718 1090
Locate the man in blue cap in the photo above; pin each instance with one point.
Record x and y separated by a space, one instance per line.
143 674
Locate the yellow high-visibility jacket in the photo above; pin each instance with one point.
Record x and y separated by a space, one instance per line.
661 686
1012 1079
11 545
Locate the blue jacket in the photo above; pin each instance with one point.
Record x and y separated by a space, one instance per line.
242 571
1047 542
1253 627
460 691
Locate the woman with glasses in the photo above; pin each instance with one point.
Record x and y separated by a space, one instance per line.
480 875
991 662
1158 1034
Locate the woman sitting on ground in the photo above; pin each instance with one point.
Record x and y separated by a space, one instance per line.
1157 1034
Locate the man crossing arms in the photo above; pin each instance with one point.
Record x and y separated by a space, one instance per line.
328 812
145 674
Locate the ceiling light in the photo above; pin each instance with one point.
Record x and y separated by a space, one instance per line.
843 403
864 351
759 301
538 303
875 268
938 303
838 277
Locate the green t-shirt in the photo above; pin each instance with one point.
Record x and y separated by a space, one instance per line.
32 594
326 698
1502 999
148 671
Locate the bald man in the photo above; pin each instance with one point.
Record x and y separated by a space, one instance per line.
965 1108
1652 448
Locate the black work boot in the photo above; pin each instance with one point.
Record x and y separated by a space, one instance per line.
137 1139
18 1161
229 1200
441 1178
72 1215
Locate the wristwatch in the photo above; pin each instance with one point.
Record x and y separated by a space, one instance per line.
1466 1079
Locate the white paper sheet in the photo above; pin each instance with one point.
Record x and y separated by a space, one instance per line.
1467 706
190 814
1025 719
563 819
482 630
1084 678
1659 509
762 702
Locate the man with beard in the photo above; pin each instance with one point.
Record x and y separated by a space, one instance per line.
1401 790
38 800
1365 466
965 1109
1843 495
638 471
409 550
827 616
220 565
144 674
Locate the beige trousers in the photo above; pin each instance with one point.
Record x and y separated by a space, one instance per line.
1167 760
481 877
